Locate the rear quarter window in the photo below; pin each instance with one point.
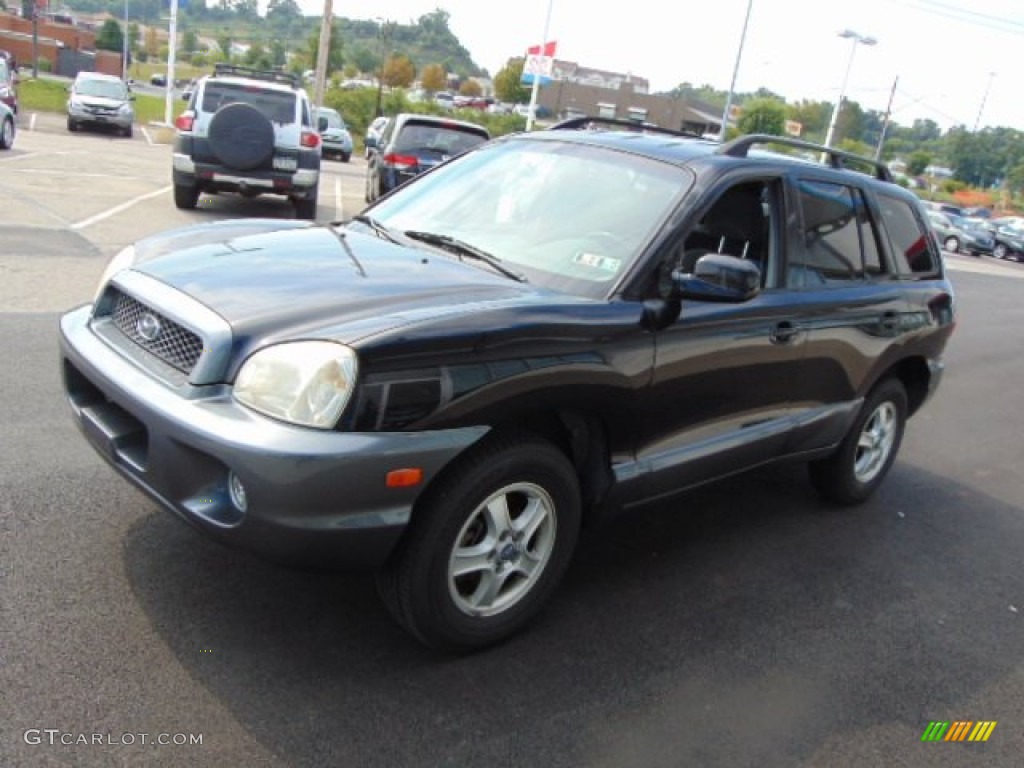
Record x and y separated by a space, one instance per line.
909 239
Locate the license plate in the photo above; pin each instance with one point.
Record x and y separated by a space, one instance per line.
285 163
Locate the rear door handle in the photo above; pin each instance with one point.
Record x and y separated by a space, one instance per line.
785 332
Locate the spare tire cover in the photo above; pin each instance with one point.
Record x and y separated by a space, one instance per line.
241 136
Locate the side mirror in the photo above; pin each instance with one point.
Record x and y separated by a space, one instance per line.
718 277
370 142
321 124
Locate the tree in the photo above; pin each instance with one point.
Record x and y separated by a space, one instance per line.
335 58
470 88
189 42
917 162
364 59
399 71
110 37
433 78
507 83
763 116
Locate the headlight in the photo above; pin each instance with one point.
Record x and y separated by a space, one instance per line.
124 259
125 109
302 382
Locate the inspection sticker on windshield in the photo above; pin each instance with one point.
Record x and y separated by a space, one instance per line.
597 261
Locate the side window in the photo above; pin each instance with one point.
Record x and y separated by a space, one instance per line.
742 222
840 241
911 243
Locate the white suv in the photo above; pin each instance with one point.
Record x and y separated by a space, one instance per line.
247 131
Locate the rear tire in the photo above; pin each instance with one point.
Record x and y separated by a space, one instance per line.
487 545
857 468
305 208
186 197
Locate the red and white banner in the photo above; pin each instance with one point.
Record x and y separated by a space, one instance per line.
540 60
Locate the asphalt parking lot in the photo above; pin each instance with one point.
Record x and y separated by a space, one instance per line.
744 624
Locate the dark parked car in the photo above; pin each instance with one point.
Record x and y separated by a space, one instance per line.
373 132
1008 238
976 238
412 144
550 329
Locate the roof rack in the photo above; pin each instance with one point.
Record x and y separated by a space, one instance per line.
221 69
837 158
584 122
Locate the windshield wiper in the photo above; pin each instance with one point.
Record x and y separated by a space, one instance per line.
378 229
462 248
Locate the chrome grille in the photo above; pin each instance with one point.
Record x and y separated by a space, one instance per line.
172 343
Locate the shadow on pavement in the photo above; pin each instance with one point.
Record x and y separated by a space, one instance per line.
744 623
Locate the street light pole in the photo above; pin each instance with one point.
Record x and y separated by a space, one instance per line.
862 40
984 98
735 71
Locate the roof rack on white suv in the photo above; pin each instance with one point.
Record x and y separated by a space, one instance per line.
223 69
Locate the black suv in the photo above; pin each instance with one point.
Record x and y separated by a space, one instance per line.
549 329
248 131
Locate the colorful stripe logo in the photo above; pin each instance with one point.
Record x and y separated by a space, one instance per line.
958 730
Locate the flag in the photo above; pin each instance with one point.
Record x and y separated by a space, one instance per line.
540 60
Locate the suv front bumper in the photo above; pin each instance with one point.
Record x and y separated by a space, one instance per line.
312 497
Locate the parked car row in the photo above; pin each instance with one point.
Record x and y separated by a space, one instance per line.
1002 237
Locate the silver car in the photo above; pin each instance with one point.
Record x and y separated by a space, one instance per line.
333 133
100 100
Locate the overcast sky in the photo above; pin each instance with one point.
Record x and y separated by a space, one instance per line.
946 53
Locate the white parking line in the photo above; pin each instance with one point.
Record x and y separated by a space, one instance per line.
149 139
339 203
32 121
118 208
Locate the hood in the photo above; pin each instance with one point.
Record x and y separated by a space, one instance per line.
99 101
272 280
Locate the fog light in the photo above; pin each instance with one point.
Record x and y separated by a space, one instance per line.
237 492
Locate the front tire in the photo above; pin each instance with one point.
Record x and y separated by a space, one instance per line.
1000 251
952 244
487 545
7 133
857 468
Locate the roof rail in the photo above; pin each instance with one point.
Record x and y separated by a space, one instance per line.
585 122
837 158
221 69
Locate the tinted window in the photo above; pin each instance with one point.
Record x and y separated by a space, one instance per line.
442 139
839 239
908 240
276 106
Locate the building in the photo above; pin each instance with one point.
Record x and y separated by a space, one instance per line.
577 91
69 48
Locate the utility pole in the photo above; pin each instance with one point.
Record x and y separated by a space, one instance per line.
321 55
984 98
885 120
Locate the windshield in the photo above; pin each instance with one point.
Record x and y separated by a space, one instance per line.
569 217
108 89
333 118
